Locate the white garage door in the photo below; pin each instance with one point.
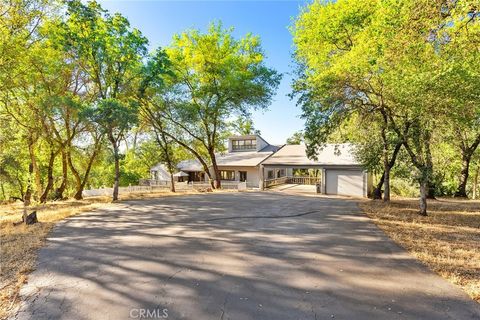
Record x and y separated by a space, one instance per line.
344 182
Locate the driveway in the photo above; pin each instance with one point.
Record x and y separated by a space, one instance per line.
233 256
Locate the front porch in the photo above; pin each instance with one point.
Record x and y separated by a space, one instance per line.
292 180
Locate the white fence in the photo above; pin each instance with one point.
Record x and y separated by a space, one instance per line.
179 186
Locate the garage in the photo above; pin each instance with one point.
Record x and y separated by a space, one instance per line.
341 172
345 182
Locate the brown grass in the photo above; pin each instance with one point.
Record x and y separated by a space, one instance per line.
19 244
447 240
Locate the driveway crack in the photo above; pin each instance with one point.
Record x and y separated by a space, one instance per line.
264 217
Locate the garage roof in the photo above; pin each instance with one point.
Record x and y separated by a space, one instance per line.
330 154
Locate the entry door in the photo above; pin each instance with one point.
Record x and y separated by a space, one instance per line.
243 175
344 182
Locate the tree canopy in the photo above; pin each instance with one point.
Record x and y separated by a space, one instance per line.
391 65
87 101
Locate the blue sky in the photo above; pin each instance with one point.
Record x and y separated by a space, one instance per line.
160 20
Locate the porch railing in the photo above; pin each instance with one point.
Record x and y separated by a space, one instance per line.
305 180
293 180
275 182
194 185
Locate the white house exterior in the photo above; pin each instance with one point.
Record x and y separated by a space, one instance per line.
250 158
159 172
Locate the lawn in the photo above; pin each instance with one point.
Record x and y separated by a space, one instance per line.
447 240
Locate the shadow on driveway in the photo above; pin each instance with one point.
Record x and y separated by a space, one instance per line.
233 256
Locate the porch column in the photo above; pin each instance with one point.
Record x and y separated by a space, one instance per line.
261 176
324 181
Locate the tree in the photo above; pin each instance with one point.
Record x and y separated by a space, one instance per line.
416 62
110 53
339 75
19 36
216 77
115 119
150 95
244 126
296 138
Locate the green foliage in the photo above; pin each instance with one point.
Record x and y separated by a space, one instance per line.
244 126
296 138
114 117
401 71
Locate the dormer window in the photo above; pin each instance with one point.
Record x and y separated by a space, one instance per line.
246 144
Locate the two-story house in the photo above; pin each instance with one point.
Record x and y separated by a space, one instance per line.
252 159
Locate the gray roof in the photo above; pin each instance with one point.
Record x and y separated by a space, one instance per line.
180 174
245 159
330 154
294 155
190 165
232 159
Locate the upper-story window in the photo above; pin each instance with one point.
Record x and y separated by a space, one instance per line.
247 144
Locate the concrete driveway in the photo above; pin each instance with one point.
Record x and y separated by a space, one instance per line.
233 256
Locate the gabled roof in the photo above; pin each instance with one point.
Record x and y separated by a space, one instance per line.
330 154
190 165
246 159
232 159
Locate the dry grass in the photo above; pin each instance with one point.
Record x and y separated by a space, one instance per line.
19 244
447 240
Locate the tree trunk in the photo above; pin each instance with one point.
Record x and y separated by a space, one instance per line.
20 185
475 182
431 190
84 181
28 193
192 151
3 192
172 183
36 171
216 171
76 175
423 196
164 145
386 193
61 189
51 162
377 192
429 163
467 153
80 183
386 164
117 171
462 186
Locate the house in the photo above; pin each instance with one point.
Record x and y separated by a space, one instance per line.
341 173
159 172
240 163
253 160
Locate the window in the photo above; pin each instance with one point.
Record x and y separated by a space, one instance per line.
248 144
243 175
281 173
270 174
227 175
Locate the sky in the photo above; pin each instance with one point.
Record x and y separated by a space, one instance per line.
159 20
